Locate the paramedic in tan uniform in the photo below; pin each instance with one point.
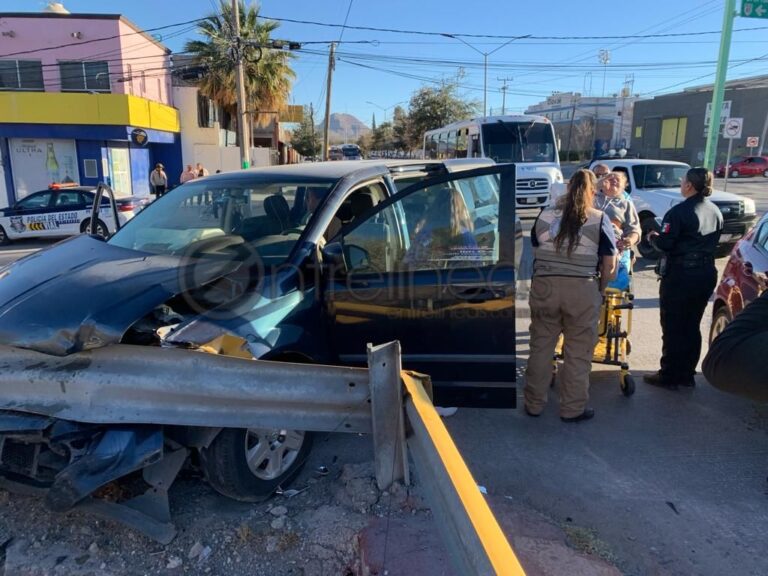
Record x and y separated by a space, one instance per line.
574 259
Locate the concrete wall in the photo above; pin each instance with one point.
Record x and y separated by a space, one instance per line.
120 42
147 66
748 103
203 145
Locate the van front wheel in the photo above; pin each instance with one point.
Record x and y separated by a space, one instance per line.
249 464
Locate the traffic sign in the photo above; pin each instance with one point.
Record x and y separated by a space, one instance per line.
753 141
732 128
754 8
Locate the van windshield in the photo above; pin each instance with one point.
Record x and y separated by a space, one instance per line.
225 219
659 175
518 142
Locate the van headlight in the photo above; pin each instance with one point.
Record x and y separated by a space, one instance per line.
558 176
749 206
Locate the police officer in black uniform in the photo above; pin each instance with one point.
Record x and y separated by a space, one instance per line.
687 240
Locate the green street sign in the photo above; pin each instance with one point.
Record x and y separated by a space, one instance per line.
754 8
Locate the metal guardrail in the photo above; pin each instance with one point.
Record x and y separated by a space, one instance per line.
166 386
474 540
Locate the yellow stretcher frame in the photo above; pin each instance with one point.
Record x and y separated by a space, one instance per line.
613 347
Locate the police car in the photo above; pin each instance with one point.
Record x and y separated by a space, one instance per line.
63 210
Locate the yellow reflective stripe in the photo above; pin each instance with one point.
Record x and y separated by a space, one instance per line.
494 542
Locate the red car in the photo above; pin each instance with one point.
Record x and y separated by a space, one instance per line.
747 166
744 278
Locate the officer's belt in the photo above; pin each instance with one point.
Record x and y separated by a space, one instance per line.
691 259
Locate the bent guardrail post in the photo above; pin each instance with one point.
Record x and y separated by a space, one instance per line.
471 533
388 421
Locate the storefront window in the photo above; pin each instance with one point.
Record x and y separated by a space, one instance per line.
120 171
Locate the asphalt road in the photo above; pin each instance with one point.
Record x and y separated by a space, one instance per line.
661 483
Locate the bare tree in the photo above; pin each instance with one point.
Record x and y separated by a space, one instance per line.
583 133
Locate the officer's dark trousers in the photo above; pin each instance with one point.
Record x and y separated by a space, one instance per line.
683 297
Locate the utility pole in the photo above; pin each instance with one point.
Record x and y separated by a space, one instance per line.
242 113
504 93
327 126
312 121
718 90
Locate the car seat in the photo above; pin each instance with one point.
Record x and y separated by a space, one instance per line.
278 211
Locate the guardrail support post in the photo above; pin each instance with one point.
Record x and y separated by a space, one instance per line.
390 459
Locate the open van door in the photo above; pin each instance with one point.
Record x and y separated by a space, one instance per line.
433 267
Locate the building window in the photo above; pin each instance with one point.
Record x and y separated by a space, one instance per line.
21 75
206 112
673 133
84 76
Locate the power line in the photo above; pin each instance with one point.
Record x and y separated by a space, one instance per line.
101 39
346 18
504 37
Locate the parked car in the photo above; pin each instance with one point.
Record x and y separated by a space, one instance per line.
63 210
265 273
747 166
744 278
654 186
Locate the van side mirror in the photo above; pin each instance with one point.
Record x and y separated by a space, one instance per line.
334 262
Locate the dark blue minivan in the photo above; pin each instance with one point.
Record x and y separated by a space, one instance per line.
304 263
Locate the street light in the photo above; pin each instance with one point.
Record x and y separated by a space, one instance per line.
485 62
387 108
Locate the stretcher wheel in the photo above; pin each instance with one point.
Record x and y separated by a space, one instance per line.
627 385
629 347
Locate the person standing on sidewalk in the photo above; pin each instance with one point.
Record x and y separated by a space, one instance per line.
688 238
158 180
188 174
574 258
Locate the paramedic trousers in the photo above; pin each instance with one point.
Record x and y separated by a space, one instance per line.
571 307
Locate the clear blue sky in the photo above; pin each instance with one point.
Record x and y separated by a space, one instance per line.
536 67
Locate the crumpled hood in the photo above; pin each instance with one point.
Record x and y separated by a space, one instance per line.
84 293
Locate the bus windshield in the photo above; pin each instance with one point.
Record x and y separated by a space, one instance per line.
519 142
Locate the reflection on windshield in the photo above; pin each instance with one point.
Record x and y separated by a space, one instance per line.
658 175
519 142
224 219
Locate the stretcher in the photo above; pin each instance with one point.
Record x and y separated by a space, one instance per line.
614 327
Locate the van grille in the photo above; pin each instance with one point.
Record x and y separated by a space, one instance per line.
530 184
731 210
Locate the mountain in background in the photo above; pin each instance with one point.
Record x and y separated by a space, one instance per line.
344 125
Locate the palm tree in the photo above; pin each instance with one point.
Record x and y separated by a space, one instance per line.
268 74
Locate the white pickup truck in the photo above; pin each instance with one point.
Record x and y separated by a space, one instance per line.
654 186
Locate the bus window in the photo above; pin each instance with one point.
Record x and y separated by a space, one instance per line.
431 147
475 148
450 145
461 144
442 144
524 142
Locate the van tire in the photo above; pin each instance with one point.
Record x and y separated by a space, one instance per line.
647 225
4 240
227 469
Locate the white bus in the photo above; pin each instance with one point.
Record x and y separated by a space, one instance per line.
528 141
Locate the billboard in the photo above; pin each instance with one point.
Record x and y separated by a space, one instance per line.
38 162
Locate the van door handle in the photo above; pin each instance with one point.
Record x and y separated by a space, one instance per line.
480 295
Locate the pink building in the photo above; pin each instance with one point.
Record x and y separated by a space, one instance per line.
86 86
